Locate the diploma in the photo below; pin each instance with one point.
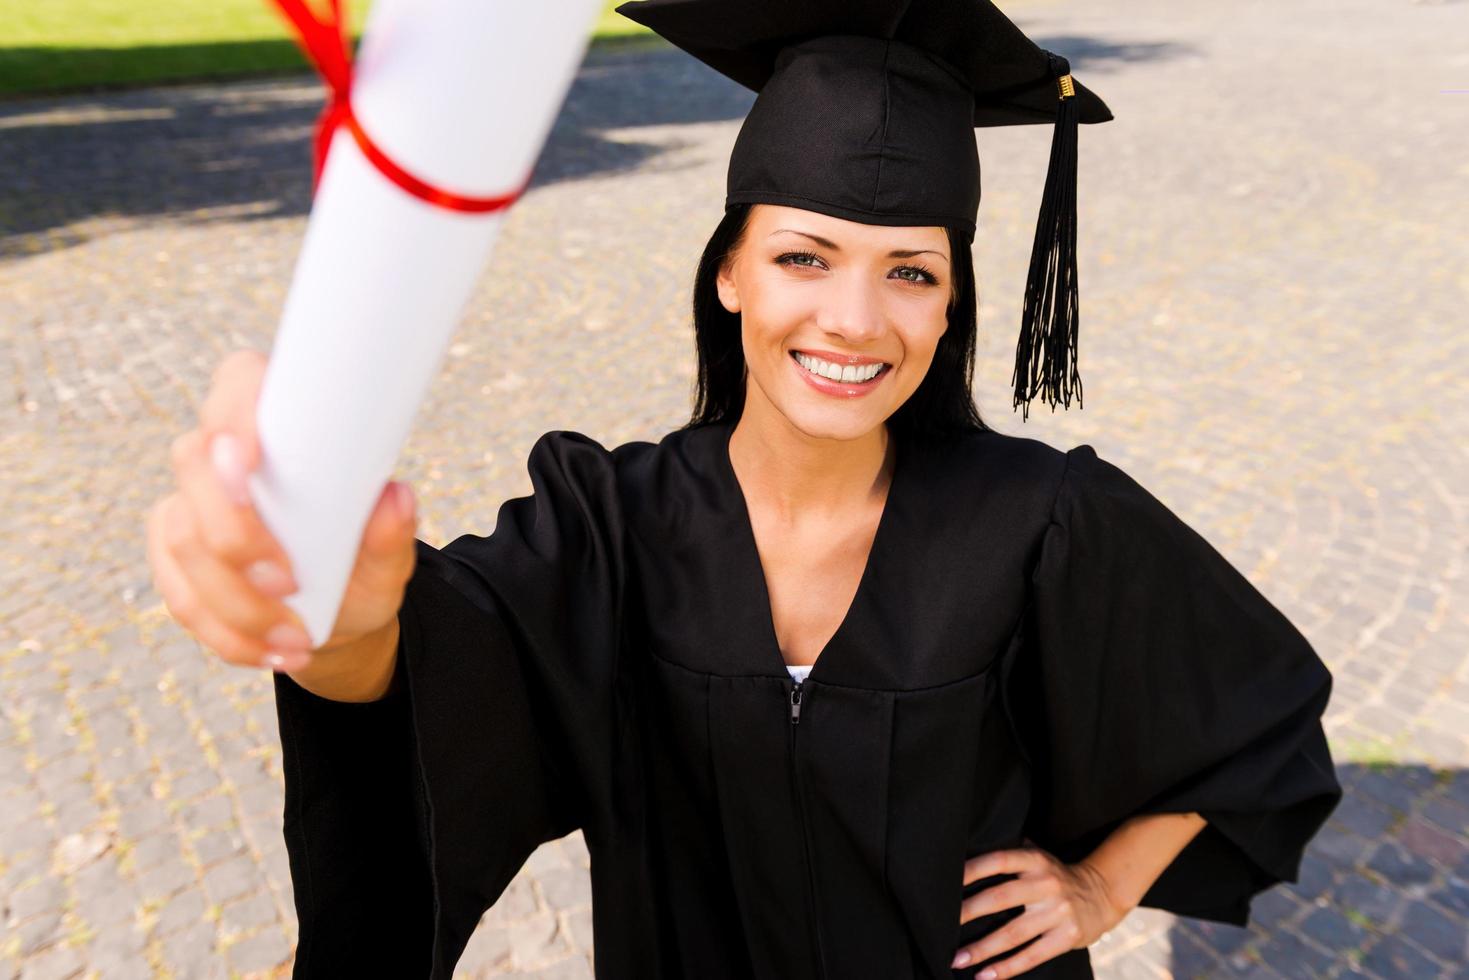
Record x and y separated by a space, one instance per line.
457 95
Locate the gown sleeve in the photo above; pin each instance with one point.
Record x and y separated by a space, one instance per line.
1164 682
406 817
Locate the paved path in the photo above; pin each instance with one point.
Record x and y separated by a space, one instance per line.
1274 256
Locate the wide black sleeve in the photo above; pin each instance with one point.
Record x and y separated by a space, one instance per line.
1164 682
405 818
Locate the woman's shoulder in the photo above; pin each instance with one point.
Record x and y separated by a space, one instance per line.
986 461
639 469
977 465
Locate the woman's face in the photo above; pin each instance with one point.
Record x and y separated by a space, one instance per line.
824 303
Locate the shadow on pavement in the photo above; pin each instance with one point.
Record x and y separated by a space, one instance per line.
1383 889
82 165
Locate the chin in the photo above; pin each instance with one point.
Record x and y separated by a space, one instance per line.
833 422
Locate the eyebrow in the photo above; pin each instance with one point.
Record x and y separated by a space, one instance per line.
897 253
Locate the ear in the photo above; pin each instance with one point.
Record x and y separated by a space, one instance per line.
729 297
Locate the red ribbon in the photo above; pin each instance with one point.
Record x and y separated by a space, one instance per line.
325 44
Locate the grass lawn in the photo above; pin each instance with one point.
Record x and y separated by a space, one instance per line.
70 45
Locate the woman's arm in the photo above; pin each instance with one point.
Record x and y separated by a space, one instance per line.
1136 853
360 671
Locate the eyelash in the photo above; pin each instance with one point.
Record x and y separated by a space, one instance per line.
928 277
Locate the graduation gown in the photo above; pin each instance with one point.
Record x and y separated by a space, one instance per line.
1037 648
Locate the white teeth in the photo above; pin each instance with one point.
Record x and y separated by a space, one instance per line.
838 372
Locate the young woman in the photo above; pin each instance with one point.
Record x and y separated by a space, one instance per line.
835 680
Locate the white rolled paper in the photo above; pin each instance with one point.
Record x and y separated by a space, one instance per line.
461 94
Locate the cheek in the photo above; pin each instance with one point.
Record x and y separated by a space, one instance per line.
770 315
923 323
920 345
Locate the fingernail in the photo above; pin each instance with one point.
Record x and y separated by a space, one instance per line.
986 974
269 577
403 500
283 661
961 958
224 452
288 635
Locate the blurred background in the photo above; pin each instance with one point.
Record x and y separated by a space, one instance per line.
1274 252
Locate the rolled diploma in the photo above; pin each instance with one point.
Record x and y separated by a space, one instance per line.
460 93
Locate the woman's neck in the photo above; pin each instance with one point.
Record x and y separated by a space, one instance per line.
791 473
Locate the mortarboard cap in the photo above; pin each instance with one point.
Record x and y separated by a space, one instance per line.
866 110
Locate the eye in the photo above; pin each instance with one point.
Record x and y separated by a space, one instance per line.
924 275
784 259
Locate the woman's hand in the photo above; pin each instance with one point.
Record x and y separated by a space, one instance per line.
220 571
1068 906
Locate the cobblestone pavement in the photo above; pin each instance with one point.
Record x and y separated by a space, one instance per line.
1274 254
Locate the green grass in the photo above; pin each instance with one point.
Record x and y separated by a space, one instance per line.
71 45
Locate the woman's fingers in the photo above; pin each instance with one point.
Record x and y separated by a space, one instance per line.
233 532
212 599
1056 937
222 573
234 395
1034 921
1013 860
1025 891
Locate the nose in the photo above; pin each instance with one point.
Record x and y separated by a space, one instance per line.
853 313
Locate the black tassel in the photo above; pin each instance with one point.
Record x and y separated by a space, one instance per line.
1045 357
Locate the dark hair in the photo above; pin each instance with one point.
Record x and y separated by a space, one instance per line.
943 403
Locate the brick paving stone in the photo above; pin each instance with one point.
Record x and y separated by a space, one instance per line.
571 968
1457 786
44 896
1222 938
1339 848
183 911
1427 841
488 949
104 896
1449 814
1188 959
517 901
153 850
1316 877
1394 787
1291 954
56 963
566 888
1274 341
194 953
265 950
230 879
119 953
1364 817
533 940
1377 904
249 914
1452 895
165 880
1330 929
218 845
1399 867
1444 935
1395 957
34 934
210 811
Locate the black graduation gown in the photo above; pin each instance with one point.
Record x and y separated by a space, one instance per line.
1038 648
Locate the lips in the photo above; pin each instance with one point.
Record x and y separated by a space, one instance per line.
831 386
836 357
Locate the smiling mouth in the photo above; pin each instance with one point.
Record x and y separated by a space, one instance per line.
850 374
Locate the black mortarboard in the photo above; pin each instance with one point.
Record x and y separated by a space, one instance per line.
866 110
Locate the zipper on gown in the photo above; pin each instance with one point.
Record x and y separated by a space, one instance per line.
795 703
